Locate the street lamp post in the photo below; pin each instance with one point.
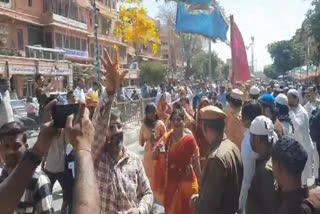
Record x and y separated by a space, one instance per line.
252 54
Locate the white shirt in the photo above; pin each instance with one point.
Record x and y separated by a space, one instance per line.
249 164
288 130
310 107
6 113
79 93
56 155
300 120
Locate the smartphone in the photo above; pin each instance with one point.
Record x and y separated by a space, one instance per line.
61 112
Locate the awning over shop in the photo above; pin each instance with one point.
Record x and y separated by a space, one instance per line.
306 75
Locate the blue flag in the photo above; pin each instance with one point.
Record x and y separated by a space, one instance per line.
208 24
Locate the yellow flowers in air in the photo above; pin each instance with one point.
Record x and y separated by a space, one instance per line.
136 27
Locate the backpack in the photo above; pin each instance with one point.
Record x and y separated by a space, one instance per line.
315 125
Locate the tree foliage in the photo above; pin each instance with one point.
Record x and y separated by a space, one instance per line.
200 66
135 26
312 29
225 71
286 55
270 72
152 72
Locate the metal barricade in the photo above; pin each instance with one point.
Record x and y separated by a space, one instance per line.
133 111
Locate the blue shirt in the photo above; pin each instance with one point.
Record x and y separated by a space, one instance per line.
222 98
198 97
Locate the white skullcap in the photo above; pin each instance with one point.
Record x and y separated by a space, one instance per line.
282 99
293 92
276 85
254 90
262 126
237 94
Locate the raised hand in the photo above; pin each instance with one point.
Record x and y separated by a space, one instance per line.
111 78
81 131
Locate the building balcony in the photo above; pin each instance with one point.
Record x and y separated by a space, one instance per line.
16 15
62 21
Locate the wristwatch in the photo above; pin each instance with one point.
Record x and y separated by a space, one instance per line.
28 155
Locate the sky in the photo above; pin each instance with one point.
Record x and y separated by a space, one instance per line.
267 20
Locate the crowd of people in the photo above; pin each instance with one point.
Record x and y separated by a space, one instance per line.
251 148
247 149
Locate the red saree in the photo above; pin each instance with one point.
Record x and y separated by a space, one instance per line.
179 183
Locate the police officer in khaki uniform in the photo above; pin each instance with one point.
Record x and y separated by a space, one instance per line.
220 183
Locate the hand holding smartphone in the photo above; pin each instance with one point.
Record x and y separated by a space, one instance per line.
61 112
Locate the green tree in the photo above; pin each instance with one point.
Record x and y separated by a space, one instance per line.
225 71
270 72
286 55
192 46
199 68
152 72
312 26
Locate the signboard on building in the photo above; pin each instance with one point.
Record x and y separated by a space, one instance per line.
69 22
24 70
76 53
61 72
54 71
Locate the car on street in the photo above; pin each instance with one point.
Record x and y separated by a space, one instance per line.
18 107
129 91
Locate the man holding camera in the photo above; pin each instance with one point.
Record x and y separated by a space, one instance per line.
80 133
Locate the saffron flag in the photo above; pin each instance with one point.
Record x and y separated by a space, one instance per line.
240 67
208 24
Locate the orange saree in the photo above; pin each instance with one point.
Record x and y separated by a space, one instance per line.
148 162
181 182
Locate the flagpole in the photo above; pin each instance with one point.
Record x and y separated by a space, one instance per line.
210 67
231 42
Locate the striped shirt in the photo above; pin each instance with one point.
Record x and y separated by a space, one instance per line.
123 185
37 198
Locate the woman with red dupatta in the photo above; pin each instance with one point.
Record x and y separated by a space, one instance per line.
182 166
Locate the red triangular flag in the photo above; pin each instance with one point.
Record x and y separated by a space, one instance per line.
240 67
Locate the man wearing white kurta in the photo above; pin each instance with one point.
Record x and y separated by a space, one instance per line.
311 106
249 112
300 120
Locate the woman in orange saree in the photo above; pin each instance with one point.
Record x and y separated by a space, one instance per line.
151 131
182 166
